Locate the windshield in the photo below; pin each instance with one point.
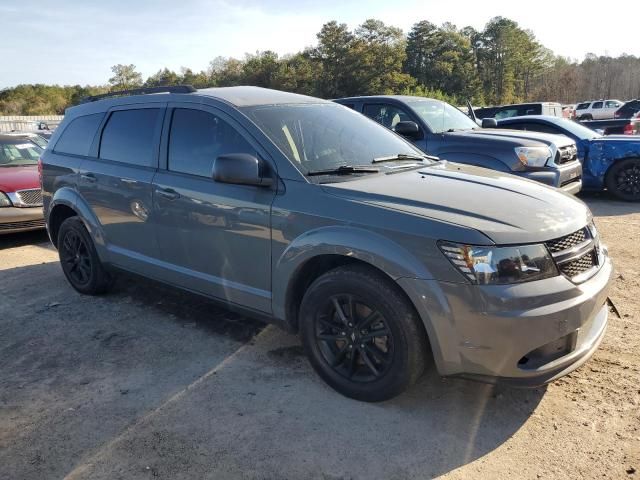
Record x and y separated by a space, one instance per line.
441 117
18 151
577 130
324 136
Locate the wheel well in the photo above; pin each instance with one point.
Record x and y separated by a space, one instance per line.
58 215
313 269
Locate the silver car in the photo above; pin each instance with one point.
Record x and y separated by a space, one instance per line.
307 214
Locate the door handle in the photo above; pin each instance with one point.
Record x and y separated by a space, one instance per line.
89 177
168 193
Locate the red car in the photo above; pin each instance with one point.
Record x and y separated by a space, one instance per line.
20 194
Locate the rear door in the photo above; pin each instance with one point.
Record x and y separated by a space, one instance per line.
117 184
214 237
597 110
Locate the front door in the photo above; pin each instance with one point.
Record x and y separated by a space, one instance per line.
117 184
214 237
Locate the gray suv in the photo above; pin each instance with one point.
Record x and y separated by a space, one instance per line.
312 216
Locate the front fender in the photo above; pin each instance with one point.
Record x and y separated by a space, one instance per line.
364 245
69 197
603 154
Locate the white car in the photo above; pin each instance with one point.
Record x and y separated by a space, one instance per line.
598 109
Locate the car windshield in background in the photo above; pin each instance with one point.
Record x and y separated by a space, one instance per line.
441 117
580 131
325 136
19 151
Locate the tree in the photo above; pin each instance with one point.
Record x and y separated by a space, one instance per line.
125 77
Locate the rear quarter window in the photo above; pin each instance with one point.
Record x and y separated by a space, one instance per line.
129 136
78 135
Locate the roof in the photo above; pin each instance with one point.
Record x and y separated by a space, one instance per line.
545 118
404 98
246 96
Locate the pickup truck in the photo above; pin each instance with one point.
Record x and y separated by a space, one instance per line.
620 126
442 130
519 109
611 162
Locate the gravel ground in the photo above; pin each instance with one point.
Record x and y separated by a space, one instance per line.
149 383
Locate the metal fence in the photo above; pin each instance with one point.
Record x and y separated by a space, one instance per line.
29 123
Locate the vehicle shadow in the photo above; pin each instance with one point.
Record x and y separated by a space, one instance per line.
438 425
34 237
602 204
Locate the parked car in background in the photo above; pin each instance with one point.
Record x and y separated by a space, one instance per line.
611 162
616 126
597 110
440 129
20 195
569 111
384 260
39 140
519 109
631 109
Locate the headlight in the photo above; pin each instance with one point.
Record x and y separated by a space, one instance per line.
4 200
500 265
533 156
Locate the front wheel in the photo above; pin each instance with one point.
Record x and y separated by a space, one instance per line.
361 335
79 259
623 180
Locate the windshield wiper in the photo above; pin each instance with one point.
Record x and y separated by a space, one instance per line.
399 157
343 170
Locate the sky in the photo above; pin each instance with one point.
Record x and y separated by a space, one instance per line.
70 42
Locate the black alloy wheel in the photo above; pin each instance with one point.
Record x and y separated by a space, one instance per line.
623 180
79 259
75 258
353 338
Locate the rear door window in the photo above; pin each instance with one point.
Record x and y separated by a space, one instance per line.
597 105
130 136
78 135
197 138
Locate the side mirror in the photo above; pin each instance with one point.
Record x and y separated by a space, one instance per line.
407 129
489 123
241 169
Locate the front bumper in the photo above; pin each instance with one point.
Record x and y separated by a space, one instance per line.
526 334
13 219
566 177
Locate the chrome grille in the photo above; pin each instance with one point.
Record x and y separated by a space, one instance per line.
580 265
576 254
566 154
31 198
568 241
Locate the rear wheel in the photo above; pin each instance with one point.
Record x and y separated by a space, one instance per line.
361 335
79 260
623 180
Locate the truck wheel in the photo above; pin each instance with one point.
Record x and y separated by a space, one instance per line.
623 180
361 335
79 260
586 117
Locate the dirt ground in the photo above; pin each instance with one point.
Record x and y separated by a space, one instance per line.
148 383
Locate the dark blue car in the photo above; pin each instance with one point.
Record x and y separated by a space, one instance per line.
611 162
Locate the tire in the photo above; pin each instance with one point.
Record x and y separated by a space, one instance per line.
375 357
586 117
623 180
79 259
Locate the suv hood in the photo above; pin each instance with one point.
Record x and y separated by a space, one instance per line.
19 178
505 208
516 135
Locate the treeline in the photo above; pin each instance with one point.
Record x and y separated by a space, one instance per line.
503 63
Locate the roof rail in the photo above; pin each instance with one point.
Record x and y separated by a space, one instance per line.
141 91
